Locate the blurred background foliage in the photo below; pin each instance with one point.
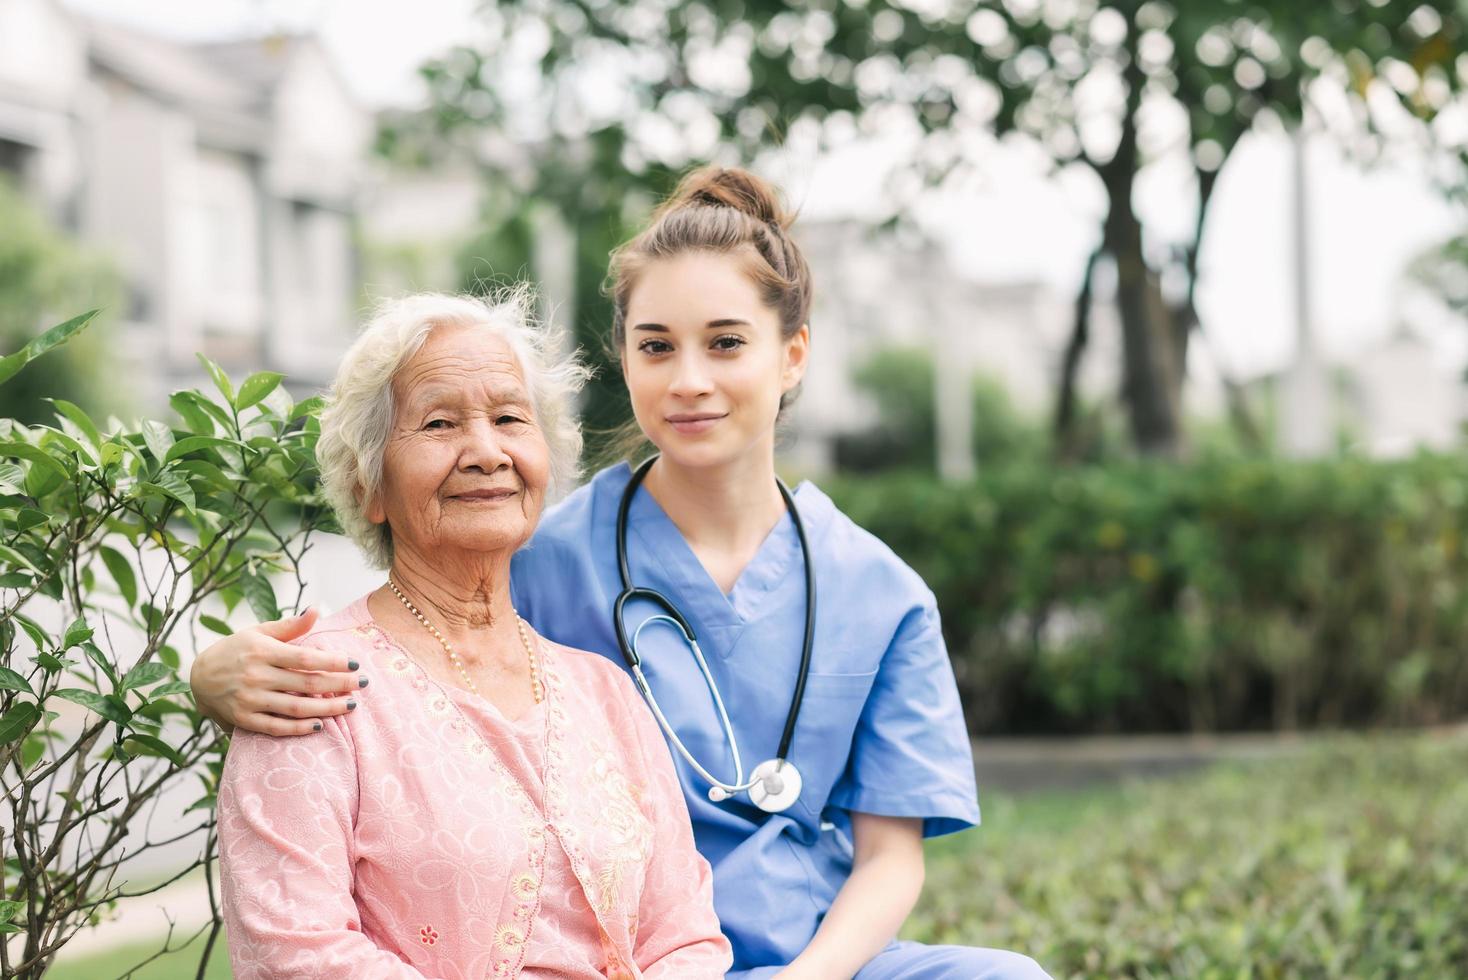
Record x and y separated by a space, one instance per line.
46 278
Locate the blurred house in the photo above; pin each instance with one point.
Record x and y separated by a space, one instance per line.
1388 398
875 293
224 179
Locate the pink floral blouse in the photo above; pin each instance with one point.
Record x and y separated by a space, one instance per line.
425 835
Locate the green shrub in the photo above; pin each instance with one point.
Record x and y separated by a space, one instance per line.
1350 860
1218 594
116 544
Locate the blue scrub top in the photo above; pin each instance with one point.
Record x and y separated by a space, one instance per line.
881 729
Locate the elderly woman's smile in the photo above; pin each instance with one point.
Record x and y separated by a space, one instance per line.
466 464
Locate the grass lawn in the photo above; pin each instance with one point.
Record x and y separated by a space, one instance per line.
1348 860
181 965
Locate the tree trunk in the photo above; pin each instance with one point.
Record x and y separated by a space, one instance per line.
1151 381
1066 437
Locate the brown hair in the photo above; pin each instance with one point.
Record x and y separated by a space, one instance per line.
725 210
713 209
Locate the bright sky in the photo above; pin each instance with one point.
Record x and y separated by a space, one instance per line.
1020 224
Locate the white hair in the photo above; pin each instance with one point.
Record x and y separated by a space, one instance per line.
358 415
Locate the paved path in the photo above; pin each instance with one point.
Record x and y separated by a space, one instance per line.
1018 765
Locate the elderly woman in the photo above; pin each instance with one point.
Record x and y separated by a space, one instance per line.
503 806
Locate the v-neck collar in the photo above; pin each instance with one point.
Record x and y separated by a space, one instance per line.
649 527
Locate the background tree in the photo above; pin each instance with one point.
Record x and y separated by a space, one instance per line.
44 276
610 94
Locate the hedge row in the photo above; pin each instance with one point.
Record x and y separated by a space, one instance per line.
1221 594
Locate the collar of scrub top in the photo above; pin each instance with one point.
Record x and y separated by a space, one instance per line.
774 785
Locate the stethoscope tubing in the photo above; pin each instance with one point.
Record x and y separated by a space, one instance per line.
671 615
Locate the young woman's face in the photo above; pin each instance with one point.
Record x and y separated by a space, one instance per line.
704 360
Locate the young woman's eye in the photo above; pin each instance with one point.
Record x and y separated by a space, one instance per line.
728 342
655 347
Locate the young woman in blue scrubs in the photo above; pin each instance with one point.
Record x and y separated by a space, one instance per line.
711 326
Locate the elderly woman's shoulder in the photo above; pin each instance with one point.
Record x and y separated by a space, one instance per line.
348 629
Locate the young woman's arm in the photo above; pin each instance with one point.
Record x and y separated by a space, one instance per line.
256 680
886 879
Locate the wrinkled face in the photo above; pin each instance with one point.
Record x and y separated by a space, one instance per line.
466 464
704 360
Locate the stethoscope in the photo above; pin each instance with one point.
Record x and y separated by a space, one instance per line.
775 784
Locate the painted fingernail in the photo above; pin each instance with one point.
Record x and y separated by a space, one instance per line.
362 681
316 726
351 706
352 665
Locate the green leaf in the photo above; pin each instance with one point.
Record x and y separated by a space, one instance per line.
173 485
177 486
260 594
29 517
310 406
169 689
12 476
78 418
52 664
149 672
40 482
168 655
54 337
10 909
34 631
32 750
221 380
205 802
107 706
122 573
158 438
10 558
217 625
16 580
192 444
141 744
37 456
50 436
255 388
76 633
198 421
95 654
11 681
18 721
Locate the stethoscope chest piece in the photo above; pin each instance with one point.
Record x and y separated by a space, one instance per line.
776 786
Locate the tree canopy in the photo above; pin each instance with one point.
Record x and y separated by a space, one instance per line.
590 104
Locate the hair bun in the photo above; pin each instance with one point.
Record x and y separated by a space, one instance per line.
730 187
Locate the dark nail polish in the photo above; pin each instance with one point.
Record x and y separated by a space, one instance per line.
352 665
351 706
362 681
316 726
